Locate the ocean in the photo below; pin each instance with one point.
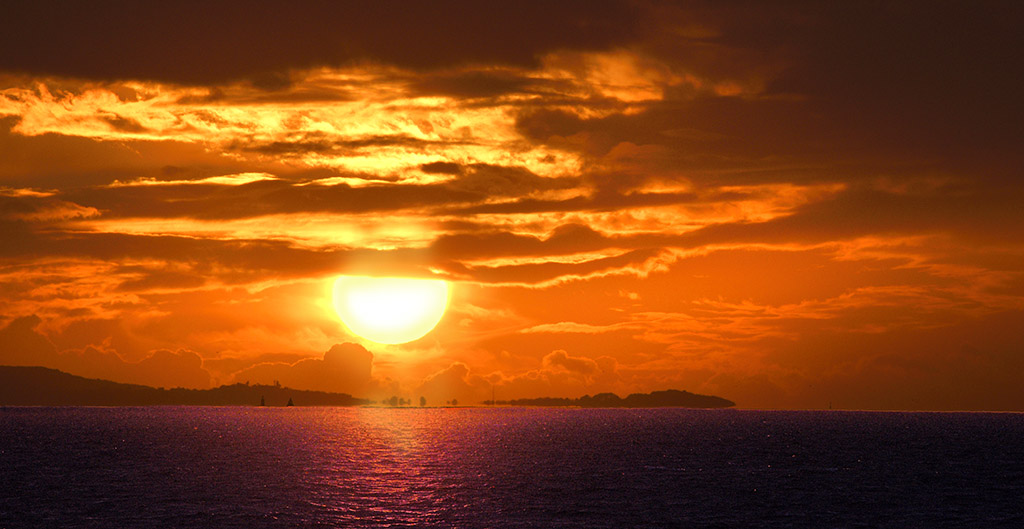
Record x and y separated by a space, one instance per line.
507 467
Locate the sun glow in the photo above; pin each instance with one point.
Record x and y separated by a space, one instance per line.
390 310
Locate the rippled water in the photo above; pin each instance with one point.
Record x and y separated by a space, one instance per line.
351 467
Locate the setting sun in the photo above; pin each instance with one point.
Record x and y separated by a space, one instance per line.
390 310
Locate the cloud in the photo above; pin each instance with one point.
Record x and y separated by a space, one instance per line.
265 40
562 360
30 161
970 364
163 279
323 144
161 368
471 85
441 168
604 201
976 213
567 327
452 382
563 375
31 208
345 368
22 344
762 181
636 262
559 374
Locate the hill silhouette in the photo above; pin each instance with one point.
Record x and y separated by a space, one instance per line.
671 398
40 386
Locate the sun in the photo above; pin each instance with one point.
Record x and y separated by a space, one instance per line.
390 310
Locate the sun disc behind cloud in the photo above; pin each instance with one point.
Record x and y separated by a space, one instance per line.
390 310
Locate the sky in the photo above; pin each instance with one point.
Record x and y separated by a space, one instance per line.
795 205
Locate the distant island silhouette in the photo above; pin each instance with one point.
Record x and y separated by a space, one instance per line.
40 386
671 398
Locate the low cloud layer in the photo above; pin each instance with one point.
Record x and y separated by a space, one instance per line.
345 368
22 345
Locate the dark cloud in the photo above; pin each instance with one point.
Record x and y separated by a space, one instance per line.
928 76
468 85
822 91
989 215
246 258
605 201
226 261
197 42
30 208
240 261
286 94
267 197
56 161
548 271
491 181
960 210
123 124
714 141
568 238
322 144
441 168
474 183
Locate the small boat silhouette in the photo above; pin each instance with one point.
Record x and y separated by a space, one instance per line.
290 403
263 402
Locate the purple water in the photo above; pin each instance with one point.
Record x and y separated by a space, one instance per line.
352 467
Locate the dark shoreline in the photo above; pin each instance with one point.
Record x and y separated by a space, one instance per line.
40 386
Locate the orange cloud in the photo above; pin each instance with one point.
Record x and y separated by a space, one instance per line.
21 344
345 368
559 374
629 197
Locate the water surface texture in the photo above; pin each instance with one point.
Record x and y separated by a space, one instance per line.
513 467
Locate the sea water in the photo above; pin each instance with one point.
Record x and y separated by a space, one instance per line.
507 467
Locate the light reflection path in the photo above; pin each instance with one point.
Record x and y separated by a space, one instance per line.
506 467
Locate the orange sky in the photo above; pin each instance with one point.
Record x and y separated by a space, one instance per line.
786 207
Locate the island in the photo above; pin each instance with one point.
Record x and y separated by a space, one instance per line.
671 398
40 386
